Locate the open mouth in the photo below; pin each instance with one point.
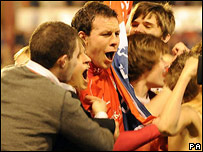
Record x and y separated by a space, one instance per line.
110 55
84 74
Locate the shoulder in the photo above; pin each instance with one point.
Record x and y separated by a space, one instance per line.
190 112
194 119
188 109
71 100
11 71
7 68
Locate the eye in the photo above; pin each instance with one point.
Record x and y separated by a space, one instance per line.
106 34
147 26
117 33
135 24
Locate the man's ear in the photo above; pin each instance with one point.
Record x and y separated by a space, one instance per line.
167 38
62 61
83 36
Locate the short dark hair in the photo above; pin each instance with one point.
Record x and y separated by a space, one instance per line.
50 41
83 19
144 51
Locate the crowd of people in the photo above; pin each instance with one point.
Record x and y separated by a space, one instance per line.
63 93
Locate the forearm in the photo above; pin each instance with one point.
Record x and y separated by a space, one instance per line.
131 140
171 112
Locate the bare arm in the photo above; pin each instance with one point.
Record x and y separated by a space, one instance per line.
167 122
157 104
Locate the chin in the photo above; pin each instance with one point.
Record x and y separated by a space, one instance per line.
106 66
103 65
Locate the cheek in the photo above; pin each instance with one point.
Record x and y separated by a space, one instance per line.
95 54
73 65
75 82
157 32
71 69
132 30
160 71
76 74
152 32
74 79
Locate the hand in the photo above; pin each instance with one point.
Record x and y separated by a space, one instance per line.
179 48
117 131
98 104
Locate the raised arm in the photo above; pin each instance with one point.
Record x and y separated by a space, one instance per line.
168 120
156 105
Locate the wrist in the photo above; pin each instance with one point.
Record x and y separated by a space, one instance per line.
185 76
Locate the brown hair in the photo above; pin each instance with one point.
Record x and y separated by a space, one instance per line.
144 51
83 19
197 48
175 70
50 41
163 12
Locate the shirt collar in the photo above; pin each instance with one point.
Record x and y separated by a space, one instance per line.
68 87
37 68
95 70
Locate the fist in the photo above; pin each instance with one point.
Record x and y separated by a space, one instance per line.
179 48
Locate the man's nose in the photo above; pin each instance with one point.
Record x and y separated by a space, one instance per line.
115 40
140 29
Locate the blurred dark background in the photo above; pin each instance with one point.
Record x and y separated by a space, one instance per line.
20 18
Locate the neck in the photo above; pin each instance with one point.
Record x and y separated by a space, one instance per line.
140 88
94 70
55 72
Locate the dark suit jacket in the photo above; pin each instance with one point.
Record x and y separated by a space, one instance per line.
34 110
62 143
